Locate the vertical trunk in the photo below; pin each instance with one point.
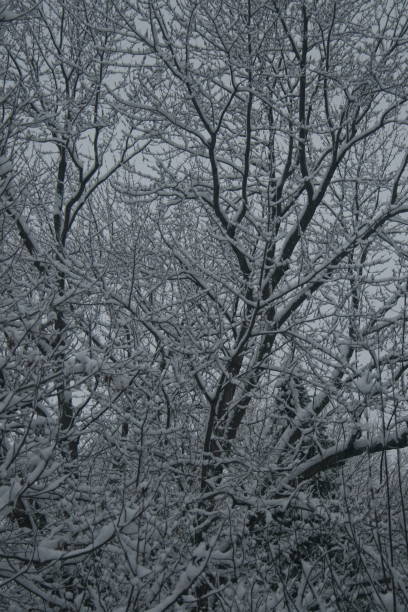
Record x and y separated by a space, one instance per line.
70 443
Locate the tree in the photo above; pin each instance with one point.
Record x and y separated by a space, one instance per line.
242 346
62 144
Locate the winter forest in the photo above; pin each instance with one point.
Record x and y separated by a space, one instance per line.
203 305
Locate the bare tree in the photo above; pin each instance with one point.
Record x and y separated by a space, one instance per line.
279 185
208 369
62 143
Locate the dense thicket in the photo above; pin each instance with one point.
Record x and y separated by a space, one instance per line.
203 305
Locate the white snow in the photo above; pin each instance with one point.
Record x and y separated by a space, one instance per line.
366 383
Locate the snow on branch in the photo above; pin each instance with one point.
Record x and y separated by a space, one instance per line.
335 455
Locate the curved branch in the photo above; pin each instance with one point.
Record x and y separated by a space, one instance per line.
336 455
